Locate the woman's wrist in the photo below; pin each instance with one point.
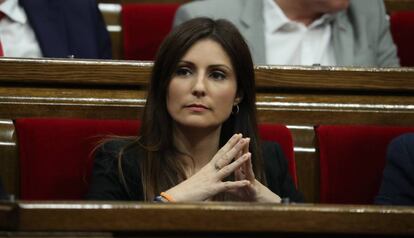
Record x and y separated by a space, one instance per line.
164 197
264 194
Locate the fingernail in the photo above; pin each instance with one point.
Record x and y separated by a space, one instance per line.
246 156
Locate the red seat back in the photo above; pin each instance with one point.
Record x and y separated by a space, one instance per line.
282 135
144 27
56 154
402 28
351 161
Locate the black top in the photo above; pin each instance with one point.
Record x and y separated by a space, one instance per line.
397 187
106 183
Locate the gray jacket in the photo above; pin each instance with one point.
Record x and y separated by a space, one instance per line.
360 34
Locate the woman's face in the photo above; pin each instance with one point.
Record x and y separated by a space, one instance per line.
202 91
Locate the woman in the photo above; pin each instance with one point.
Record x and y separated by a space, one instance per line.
199 137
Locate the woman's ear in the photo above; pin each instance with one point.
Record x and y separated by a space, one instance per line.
238 99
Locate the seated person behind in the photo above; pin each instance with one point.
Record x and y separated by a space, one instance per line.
198 138
306 32
397 186
47 28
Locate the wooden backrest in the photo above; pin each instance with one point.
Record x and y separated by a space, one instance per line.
299 97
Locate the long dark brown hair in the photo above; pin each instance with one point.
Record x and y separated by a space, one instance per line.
160 169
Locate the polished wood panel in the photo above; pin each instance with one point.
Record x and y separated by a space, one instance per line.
209 219
275 78
399 5
9 167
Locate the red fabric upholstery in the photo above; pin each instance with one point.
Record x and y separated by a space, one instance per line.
144 27
283 136
352 159
402 28
56 154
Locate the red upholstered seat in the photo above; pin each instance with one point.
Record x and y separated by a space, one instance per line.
144 27
56 154
351 161
402 28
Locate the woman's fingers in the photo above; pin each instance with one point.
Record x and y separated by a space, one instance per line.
246 146
230 168
249 173
239 175
230 143
232 185
225 158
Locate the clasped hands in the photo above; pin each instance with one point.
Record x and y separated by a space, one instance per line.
233 158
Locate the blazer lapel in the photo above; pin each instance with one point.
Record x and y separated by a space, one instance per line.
343 40
253 29
48 22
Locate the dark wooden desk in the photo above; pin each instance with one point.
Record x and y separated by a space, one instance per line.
204 219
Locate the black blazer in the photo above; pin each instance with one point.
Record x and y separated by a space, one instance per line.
69 27
106 185
397 186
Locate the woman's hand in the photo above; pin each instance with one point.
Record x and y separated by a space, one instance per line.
255 191
209 180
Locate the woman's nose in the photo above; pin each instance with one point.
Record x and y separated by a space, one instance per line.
199 87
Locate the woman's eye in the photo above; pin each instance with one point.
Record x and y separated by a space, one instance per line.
218 75
183 71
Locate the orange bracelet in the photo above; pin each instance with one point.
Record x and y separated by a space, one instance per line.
167 197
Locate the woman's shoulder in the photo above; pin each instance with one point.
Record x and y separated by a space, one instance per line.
125 150
273 157
271 149
116 171
128 147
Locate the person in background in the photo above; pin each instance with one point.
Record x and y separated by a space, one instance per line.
306 32
53 28
397 187
199 138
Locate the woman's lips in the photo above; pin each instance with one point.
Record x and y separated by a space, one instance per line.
197 107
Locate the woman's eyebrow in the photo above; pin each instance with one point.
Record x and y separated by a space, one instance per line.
220 65
186 62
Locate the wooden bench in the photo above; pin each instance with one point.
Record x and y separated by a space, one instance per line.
300 97
111 10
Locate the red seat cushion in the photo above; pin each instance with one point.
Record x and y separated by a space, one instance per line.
402 28
56 155
351 161
144 27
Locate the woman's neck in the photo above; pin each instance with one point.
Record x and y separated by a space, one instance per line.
200 144
298 11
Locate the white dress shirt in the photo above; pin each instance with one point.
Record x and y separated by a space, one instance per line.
16 34
292 43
